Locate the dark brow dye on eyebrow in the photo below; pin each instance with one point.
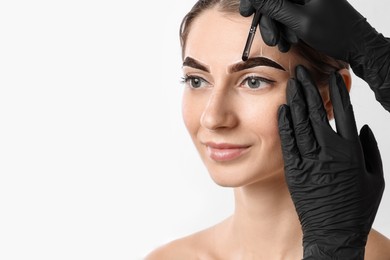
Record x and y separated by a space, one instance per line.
255 62
191 62
243 65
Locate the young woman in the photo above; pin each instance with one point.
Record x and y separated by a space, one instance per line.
230 109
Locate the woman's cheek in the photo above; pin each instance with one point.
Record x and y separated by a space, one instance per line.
188 117
192 108
267 111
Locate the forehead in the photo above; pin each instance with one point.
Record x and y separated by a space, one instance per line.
218 38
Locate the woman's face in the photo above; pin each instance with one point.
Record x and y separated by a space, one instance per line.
230 107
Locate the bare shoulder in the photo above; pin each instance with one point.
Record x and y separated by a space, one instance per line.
378 246
192 247
178 249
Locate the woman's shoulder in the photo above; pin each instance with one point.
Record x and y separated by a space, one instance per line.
199 246
192 247
177 249
378 246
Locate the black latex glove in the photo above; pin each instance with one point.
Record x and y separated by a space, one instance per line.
272 32
333 27
335 178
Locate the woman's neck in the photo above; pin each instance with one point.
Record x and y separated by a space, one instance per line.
265 221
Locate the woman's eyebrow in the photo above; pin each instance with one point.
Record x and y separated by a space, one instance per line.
191 62
255 62
243 65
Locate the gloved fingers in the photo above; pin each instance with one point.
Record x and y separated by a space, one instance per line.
269 31
305 139
283 44
314 101
246 8
274 33
289 35
373 162
283 11
301 2
290 150
371 152
342 108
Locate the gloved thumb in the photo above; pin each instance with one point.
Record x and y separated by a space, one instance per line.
371 152
290 150
283 11
246 8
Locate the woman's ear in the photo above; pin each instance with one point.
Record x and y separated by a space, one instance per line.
325 92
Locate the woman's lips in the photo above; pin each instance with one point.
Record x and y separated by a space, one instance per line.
225 152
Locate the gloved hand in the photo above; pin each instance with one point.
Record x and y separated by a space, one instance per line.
335 178
333 27
272 32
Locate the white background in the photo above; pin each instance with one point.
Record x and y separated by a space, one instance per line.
95 162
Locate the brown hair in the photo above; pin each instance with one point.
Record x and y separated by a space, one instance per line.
321 65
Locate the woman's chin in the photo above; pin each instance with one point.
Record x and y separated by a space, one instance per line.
240 178
232 179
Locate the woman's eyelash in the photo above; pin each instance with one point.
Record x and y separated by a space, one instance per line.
184 79
270 81
257 83
253 82
194 81
187 78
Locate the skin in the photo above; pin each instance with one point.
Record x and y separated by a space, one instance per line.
224 109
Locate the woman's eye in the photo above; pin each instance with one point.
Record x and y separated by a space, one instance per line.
257 82
194 82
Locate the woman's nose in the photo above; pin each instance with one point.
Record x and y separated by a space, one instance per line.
219 111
